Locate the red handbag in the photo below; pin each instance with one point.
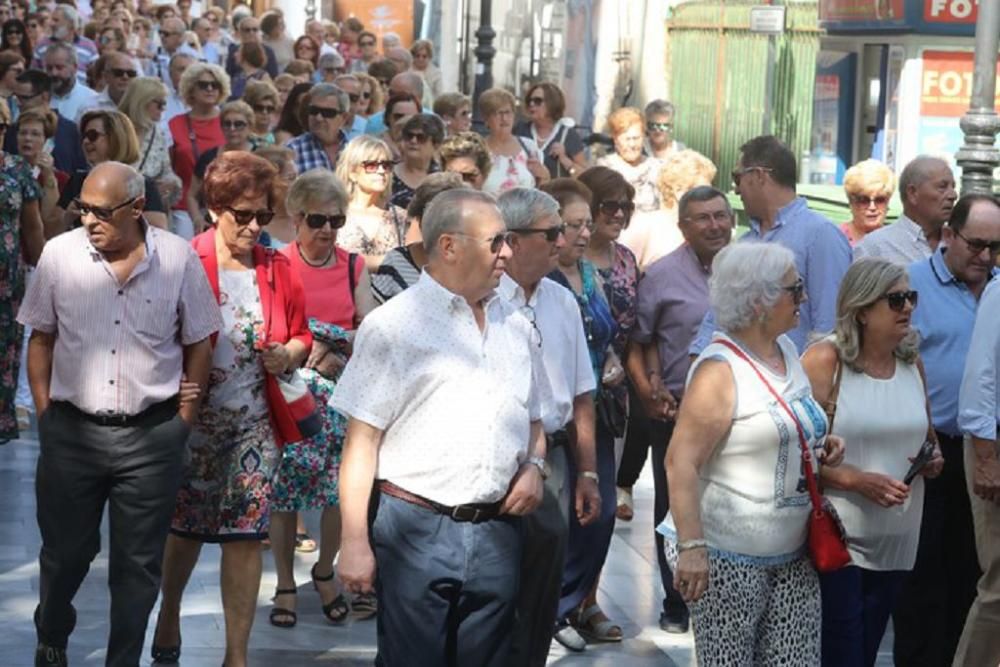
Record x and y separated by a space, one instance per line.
827 539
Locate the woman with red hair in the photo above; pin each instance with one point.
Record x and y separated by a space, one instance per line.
235 444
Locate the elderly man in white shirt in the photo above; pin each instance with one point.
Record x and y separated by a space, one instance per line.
536 229
444 397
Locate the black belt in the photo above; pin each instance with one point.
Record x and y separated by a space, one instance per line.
154 414
474 513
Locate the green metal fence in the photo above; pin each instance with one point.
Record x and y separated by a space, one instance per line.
718 74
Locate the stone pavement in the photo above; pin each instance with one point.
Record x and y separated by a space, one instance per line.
629 593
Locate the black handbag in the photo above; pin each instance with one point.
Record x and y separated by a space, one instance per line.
610 412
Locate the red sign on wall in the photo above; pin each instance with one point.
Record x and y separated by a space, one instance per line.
946 84
861 10
951 11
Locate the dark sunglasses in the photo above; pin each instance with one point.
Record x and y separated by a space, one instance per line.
209 85
536 101
551 233
264 108
862 200
100 212
324 112
419 137
162 104
383 82
978 245
659 127
496 242
318 220
244 218
13 31
797 290
469 177
168 33
610 207
123 73
740 173
897 300
371 166
233 124
92 135
366 95
354 97
27 97
366 43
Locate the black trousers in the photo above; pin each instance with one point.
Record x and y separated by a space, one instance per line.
937 594
661 432
637 441
136 472
446 590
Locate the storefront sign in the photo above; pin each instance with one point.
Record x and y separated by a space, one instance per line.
850 11
932 17
381 16
946 84
951 11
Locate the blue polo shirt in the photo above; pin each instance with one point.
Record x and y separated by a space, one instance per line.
944 318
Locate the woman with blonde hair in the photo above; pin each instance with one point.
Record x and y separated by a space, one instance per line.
627 129
869 186
371 92
653 234
263 98
373 227
144 102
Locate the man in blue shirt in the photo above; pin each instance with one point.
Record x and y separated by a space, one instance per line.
934 601
765 180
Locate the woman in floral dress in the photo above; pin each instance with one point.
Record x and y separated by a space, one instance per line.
21 238
235 445
338 296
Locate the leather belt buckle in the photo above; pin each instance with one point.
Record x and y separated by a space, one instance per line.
108 419
466 513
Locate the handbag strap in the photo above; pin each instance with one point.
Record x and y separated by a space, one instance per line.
152 138
830 407
811 484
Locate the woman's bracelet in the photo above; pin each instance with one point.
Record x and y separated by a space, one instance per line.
688 545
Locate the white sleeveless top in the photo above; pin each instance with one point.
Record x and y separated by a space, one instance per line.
754 500
883 424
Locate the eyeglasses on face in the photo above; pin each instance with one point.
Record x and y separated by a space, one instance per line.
372 166
123 73
740 173
497 241
366 95
208 86
23 97
469 177
551 233
264 108
797 290
659 127
102 213
170 33
897 300
324 112
13 31
610 208
979 245
354 97
234 124
243 218
318 220
880 201
705 218
536 101
367 42
92 135
418 137
529 313
577 225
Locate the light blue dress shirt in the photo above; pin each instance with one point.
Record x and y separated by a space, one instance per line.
944 318
822 257
979 397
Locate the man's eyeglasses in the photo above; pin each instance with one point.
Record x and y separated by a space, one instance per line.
372 166
659 127
797 290
496 241
24 98
978 245
418 137
234 124
244 218
897 300
123 73
209 85
610 208
551 233
740 173
705 218
529 314
251 30
318 220
102 213
324 112
169 33
866 201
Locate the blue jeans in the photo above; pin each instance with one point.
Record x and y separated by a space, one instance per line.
856 607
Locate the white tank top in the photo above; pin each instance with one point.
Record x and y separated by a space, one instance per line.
883 424
754 501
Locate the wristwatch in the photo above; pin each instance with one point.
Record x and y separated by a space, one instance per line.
541 464
591 475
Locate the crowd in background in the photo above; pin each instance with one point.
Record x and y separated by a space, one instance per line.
204 215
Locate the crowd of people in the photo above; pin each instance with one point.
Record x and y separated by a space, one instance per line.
247 276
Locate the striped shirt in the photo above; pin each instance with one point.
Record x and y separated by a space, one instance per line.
397 272
118 347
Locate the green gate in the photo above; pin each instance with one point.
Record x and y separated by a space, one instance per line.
718 78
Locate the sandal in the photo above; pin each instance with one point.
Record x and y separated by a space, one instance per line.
165 655
364 606
337 610
305 544
589 624
281 617
625 510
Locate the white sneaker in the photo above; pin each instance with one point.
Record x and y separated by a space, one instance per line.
571 639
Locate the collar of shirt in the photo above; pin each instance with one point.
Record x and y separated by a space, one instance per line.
448 300
514 293
695 260
785 214
912 229
944 275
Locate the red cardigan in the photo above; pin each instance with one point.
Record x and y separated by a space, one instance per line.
283 302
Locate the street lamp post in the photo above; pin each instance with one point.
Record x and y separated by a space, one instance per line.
979 157
484 56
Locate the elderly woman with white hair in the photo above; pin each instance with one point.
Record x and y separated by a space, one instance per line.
737 527
869 186
869 376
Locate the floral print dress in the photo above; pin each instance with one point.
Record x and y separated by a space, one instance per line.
17 186
225 493
390 233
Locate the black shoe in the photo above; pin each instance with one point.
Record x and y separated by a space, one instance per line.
50 656
675 622
166 655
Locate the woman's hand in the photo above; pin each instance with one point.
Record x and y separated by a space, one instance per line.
613 374
881 489
45 162
557 150
691 574
188 392
331 366
933 467
316 354
276 358
833 451
538 170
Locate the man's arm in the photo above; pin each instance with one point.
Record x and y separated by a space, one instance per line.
40 346
197 364
357 476
526 488
977 397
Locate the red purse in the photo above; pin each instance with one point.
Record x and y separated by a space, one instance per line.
827 539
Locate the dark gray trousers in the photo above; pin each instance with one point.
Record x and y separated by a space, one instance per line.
446 590
82 467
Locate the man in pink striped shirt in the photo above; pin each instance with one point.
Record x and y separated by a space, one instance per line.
120 310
